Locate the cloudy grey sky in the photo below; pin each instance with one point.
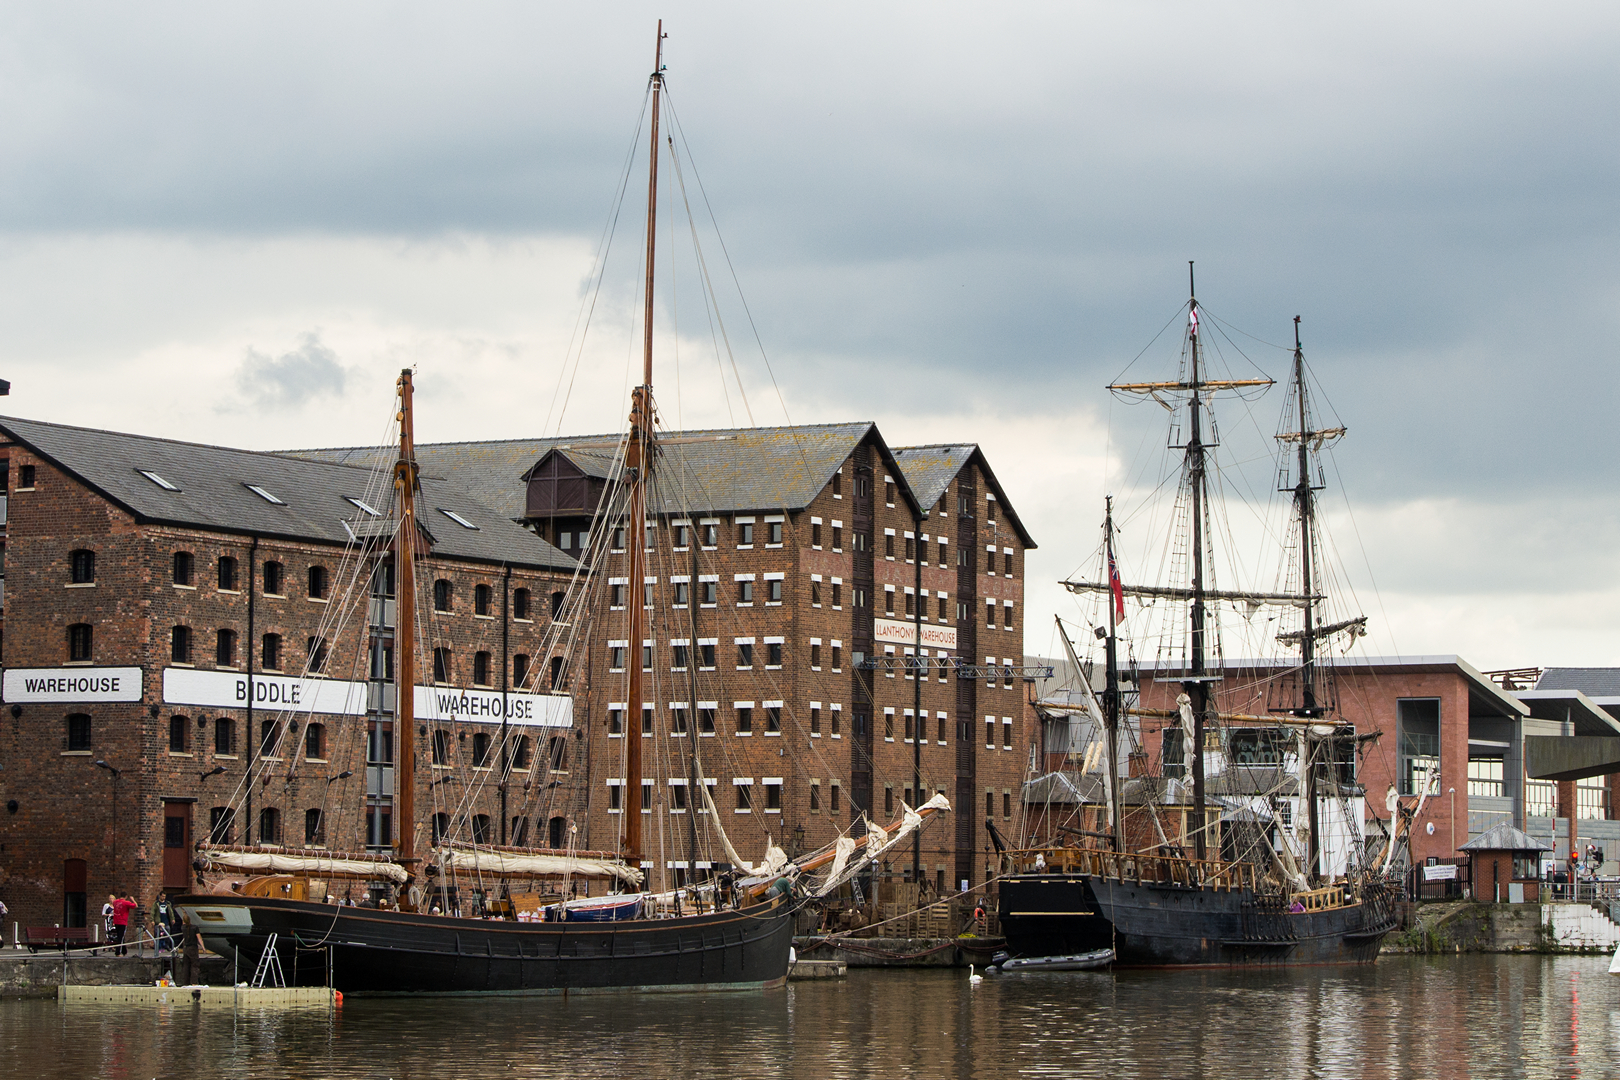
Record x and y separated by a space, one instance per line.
234 223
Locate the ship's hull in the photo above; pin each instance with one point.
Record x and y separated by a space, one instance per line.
1168 925
362 950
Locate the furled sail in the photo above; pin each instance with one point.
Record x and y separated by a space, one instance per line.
517 864
284 862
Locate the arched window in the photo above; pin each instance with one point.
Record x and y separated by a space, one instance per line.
482 595
82 567
556 672
441 747
520 832
184 568
520 669
270 654
317 655
274 579
269 738
225 649
180 645
225 736
441 827
520 603
480 750
558 828
315 742
441 664
78 732
269 825
314 828
227 574
221 825
80 643
442 594
317 583
480 829
179 726
556 604
520 752
481 669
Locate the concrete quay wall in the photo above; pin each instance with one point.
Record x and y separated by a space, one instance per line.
39 974
1466 926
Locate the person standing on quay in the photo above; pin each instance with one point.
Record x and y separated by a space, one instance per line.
122 907
107 920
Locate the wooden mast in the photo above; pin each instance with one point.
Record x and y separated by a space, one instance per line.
1305 503
638 462
1111 702
405 486
1197 686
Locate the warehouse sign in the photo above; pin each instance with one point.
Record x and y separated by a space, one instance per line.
530 710
74 684
895 632
273 693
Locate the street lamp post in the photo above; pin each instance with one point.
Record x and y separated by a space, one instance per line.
1452 795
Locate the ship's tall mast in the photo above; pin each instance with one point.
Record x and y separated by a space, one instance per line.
1111 702
1305 506
638 462
1197 687
405 485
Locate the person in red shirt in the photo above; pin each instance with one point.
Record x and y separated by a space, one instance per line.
122 907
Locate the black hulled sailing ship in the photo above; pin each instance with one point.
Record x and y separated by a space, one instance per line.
732 931
1232 887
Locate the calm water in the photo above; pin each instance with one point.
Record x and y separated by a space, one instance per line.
1474 1016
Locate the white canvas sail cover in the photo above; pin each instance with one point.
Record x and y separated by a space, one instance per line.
515 864
282 862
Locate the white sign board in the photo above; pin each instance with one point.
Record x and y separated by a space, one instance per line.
274 693
895 632
484 706
1439 873
74 684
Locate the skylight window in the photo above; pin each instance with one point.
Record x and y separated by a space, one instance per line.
457 518
158 480
263 494
363 506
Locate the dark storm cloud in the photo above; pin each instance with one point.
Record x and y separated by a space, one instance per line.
1009 196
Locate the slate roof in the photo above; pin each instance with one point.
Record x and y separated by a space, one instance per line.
213 493
1594 682
1504 837
930 470
719 470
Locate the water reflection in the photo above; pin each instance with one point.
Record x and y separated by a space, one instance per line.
1489 1016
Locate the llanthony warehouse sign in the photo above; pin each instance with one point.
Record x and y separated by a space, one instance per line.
74 684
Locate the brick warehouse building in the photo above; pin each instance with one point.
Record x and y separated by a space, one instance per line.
784 588
828 567
145 581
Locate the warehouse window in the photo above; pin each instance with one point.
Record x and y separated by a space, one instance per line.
227 574
314 828
520 668
80 643
482 595
224 737
225 648
82 566
274 579
269 825
520 603
317 583
317 655
180 645
315 742
178 729
441 595
270 653
78 732
221 825
481 669
441 664
184 568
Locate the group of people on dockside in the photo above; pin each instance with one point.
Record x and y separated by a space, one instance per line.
164 921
